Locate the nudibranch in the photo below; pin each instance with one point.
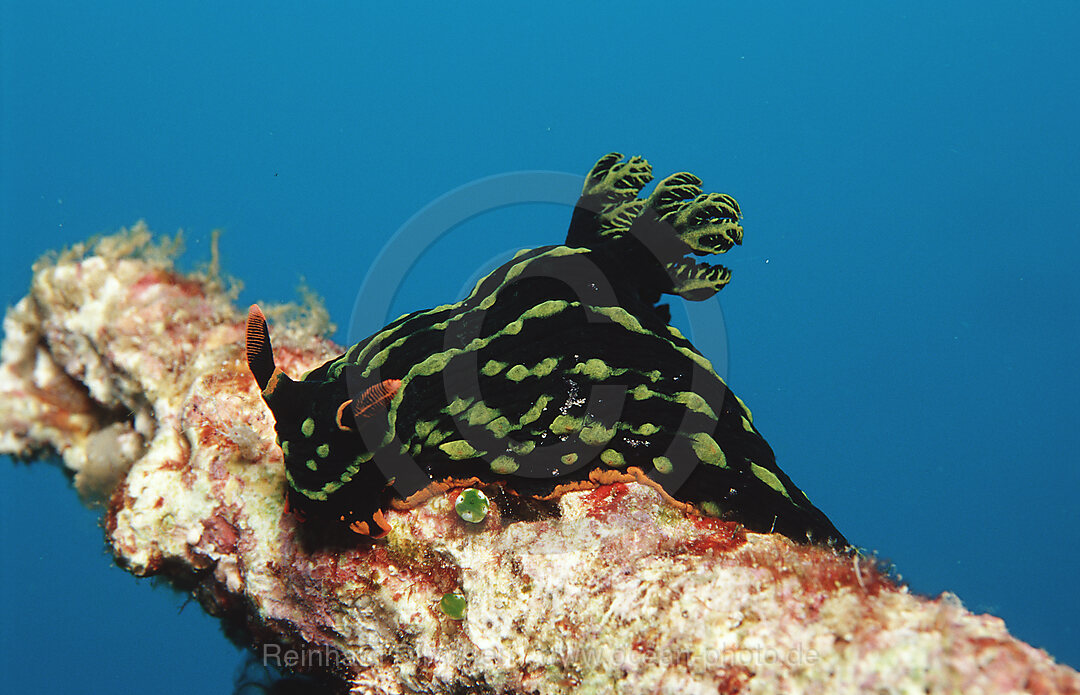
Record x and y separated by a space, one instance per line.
559 372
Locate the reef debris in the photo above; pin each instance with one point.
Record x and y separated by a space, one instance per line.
134 374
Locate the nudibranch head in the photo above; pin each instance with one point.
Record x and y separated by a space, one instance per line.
317 430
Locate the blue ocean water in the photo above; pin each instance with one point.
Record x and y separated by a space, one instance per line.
903 319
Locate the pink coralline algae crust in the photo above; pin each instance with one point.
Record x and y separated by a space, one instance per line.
135 374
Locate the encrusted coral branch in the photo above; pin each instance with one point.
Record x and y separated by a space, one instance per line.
134 373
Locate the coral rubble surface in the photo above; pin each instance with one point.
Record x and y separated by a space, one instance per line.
134 374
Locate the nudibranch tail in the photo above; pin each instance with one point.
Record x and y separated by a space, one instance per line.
260 353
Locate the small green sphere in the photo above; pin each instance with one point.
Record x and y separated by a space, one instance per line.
472 506
453 605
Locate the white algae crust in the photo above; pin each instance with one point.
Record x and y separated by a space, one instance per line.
134 374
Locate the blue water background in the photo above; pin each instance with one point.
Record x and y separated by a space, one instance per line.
903 319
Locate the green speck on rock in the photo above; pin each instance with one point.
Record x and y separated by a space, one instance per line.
472 506
453 605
